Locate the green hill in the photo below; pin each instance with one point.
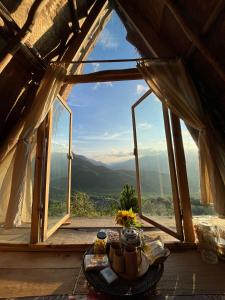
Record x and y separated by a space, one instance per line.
88 177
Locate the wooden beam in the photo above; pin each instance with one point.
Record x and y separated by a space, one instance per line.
23 35
9 247
219 6
90 22
152 41
104 76
82 42
195 40
74 17
182 179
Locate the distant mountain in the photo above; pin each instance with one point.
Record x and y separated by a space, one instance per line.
154 162
94 177
94 162
159 163
91 178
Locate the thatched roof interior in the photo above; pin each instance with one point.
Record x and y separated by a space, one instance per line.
156 25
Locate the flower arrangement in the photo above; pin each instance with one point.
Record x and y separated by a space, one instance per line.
126 218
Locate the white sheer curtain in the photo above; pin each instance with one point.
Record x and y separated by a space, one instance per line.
16 153
172 84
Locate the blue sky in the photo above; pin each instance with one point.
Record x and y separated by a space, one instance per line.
102 125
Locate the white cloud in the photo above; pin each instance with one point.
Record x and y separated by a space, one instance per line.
99 84
106 136
77 105
107 40
144 126
96 66
140 89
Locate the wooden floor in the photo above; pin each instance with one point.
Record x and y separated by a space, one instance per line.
24 274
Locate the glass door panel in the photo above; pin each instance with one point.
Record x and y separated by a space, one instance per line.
156 191
57 206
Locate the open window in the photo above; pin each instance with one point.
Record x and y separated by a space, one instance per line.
155 167
56 208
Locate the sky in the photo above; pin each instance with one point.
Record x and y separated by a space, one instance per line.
102 123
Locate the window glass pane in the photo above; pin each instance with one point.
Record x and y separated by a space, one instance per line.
192 164
156 187
59 180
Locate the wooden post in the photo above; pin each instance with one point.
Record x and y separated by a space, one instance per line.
182 179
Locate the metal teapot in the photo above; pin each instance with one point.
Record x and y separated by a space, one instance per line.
130 237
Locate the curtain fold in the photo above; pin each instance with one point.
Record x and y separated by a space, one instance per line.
172 84
16 153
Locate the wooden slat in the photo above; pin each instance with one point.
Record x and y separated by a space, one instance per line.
36 282
186 274
182 179
104 76
40 260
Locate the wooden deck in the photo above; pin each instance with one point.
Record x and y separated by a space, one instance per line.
79 231
24 274
83 231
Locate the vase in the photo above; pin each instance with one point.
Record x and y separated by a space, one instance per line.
131 262
112 249
118 262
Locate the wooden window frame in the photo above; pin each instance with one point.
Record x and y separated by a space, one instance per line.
46 233
39 223
172 167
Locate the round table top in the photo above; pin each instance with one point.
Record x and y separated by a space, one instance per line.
124 287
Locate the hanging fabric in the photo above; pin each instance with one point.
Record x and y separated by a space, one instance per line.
172 84
16 153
